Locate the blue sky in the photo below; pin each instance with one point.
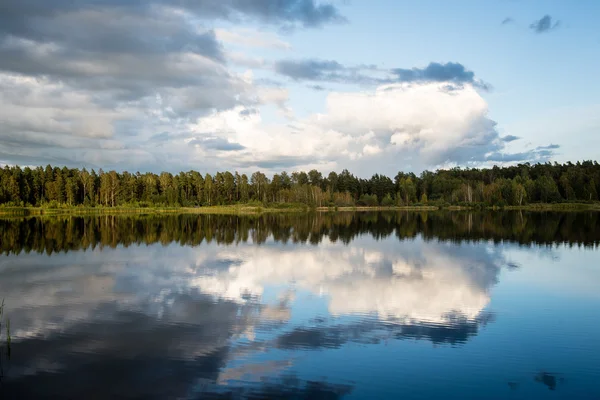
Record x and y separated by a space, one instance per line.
533 75
372 86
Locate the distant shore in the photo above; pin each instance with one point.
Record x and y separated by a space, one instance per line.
224 210
249 209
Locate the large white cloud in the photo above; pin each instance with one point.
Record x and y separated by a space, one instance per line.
392 127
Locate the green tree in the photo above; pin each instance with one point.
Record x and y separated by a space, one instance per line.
408 191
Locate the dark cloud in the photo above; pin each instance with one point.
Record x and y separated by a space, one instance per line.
507 20
544 24
437 72
318 88
509 138
216 143
307 13
111 30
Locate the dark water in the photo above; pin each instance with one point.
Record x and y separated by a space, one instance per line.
353 306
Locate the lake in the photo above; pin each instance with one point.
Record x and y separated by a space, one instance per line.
452 305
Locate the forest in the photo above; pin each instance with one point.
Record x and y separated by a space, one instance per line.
507 186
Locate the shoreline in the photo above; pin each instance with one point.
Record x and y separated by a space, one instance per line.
93 211
242 209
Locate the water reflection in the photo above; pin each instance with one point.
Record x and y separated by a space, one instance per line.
240 320
57 234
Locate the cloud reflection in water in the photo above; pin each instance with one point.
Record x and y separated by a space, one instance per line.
206 319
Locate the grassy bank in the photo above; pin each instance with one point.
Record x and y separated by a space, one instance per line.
229 210
242 209
379 208
556 207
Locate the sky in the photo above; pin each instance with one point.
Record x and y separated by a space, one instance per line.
375 86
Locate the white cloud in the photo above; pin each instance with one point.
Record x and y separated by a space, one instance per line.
43 106
367 131
422 120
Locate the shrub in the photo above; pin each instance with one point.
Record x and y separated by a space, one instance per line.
387 201
369 200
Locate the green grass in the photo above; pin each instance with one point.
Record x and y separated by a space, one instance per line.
229 209
258 208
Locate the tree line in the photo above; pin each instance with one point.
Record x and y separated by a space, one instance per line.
515 185
63 234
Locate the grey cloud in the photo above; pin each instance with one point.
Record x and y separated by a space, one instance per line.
507 20
437 72
327 71
509 138
36 140
332 71
538 154
216 143
127 50
35 158
108 69
115 77
318 88
307 13
120 52
248 111
544 24
309 69
548 147
115 30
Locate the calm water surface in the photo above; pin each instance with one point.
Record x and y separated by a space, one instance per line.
351 305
